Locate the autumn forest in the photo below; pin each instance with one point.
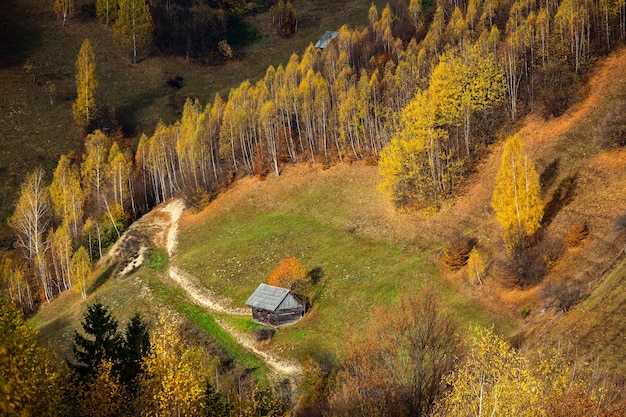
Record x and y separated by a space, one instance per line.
424 92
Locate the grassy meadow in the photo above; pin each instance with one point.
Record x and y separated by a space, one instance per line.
322 219
149 293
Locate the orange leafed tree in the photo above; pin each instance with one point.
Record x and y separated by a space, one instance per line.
289 274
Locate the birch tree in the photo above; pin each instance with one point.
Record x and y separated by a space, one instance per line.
80 267
517 195
494 381
64 10
15 281
133 27
95 167
188 146
106 11
66 194
61 251
120 168
476 266
85 106
30 221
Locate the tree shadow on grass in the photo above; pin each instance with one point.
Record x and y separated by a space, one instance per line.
549 174
316 274
48 331
562 196
128 115
102 278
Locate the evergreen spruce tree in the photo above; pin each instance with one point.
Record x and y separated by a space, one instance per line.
101 341
135 347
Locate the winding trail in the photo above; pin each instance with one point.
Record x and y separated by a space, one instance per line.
202 296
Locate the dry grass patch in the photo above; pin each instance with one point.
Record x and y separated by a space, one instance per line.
594 330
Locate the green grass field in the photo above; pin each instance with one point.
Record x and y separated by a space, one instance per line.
236 248
150 294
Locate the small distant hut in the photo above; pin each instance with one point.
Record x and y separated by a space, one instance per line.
326 38
275 305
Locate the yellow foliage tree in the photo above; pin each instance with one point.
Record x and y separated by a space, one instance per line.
496 380
106 11
95 167
103 395
517 195
84 108
67 195
64 10
80 270
30 380
175 376
476 266
133 26
61 254
416 166
289 274
120 168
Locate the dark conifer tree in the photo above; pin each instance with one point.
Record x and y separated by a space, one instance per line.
214 404
135 347
100 342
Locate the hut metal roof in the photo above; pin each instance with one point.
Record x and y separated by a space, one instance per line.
326 38
268 297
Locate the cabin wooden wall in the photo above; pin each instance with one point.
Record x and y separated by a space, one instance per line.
277 318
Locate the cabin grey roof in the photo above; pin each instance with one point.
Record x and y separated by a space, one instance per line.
272 298
326 38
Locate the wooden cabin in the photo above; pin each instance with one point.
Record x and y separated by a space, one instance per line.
275 305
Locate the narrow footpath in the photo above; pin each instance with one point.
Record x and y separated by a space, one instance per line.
170 214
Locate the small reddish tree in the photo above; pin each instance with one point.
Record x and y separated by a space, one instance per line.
289 274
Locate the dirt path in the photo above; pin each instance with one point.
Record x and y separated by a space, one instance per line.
202 296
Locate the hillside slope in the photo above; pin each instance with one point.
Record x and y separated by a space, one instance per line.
37 128
317 214
366 254
594 331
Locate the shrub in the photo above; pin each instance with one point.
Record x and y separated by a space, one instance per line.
224 49
576 234
264 333
456 254
620 224
612 130
156 260
524 312
524 266
289 274
419 341
551 251
560 294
